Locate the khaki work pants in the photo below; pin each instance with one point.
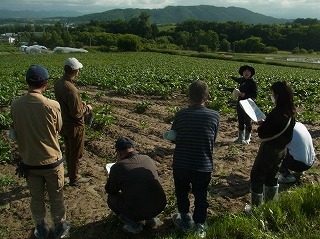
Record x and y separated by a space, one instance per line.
74 143
51 181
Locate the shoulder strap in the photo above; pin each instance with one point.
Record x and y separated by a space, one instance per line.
277 135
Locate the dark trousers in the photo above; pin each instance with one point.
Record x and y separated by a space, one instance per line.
266 167
198 182
243 119
289 163
74 143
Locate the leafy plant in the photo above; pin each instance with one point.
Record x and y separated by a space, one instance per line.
5 152
6 180
103 116
142 106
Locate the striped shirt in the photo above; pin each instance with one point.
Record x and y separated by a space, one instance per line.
197 128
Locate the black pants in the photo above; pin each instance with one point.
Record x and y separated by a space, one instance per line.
243 119
266 167
198 182
289 163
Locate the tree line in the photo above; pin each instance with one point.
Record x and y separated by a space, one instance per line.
302 35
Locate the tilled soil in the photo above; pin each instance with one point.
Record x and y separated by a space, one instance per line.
86 204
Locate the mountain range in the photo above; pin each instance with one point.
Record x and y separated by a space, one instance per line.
167 15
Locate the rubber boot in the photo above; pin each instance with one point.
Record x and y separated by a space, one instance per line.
247 137
240 138
270 193
256 199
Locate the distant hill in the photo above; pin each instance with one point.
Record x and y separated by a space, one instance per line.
9 14
167 15
176 14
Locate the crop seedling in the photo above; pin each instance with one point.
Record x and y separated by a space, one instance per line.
142 106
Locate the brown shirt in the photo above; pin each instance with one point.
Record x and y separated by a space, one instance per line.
70 101
37 121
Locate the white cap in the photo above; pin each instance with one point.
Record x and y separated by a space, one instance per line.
73 63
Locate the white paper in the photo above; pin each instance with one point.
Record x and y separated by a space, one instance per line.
170 135
108 166
252 110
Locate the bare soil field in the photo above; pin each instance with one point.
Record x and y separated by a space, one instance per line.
86 204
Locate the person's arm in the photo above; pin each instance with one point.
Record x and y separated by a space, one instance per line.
76 107
59 120
111 185
272 125
236 79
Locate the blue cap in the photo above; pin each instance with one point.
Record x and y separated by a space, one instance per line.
124 143
37 74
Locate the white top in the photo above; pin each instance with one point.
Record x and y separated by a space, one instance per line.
301 146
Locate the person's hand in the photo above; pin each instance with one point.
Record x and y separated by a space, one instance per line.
260 122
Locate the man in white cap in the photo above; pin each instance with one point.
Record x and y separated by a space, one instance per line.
37 122
73 110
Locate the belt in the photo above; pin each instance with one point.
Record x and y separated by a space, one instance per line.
47 166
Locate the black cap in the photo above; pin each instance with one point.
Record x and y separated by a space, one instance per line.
124 143
246 67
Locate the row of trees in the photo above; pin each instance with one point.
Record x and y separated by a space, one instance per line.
190 34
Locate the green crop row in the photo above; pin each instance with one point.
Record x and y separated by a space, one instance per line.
163 74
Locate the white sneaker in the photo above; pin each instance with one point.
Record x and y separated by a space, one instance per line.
286 179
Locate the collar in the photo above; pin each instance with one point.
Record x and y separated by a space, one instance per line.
130 154
35 91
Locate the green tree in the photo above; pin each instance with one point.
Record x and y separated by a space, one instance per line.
129 42
225 45
250 45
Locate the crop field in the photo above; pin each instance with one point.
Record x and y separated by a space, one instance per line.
164 75
137 94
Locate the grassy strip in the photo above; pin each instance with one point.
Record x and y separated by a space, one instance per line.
295 215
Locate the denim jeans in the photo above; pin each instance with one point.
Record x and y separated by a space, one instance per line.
198 182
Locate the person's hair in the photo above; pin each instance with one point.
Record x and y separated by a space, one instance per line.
68 70
35 82
284 97
198 91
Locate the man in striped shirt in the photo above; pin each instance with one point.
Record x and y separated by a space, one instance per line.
196 128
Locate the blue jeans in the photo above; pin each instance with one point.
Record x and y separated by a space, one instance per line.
198 182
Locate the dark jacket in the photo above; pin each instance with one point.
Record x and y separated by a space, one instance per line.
274 123
136 179
249 87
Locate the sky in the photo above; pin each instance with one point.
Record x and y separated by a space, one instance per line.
288 9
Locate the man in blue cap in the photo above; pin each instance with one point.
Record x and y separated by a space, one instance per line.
134 191
37 122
